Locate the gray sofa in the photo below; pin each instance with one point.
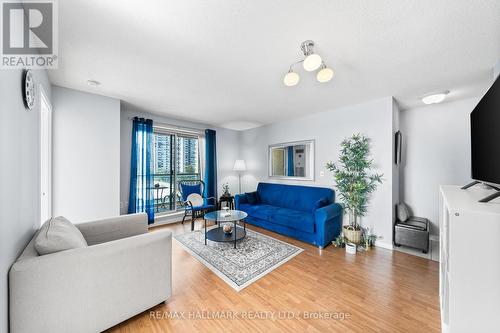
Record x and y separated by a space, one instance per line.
123 271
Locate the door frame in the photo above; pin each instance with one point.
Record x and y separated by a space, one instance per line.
45 100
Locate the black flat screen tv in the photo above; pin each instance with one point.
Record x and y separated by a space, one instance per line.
485 137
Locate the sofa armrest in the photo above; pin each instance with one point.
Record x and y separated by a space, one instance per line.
240 199
106 230
93 288
328 223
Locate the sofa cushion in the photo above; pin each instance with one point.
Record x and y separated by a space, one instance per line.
252 197
293 197
294 219
402 212
58 234
260 211
320 203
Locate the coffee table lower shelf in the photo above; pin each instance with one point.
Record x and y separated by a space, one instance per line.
218 235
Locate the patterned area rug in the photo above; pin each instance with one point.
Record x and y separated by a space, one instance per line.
255 256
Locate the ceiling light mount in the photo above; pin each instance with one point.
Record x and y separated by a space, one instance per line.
310 63
307 47
93 83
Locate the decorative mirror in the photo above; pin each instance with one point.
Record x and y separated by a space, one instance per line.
292 160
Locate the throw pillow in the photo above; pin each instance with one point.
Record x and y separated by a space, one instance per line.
402 212
320 203
195 199
252 198
58 234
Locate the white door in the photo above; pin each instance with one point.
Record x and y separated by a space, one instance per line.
45 157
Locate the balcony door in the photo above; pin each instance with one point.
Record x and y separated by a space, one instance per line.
176 158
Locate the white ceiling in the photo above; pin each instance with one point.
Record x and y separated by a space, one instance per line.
222 62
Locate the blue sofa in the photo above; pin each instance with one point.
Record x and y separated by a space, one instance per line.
307 213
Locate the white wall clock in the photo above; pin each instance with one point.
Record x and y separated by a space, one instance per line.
28 90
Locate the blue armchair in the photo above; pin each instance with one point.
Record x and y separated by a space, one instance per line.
194 209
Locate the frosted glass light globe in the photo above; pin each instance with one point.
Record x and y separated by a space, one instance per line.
312 62
291 79
324 75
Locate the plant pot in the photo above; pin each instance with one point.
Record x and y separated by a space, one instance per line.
350 248
353 236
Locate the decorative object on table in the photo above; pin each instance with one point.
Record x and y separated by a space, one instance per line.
311 62
292 160
228 228
29 90
225 190
195 205
225 212
350 248
239 166
157 185
255 256
354 181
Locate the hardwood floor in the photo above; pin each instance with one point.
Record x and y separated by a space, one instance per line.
377 291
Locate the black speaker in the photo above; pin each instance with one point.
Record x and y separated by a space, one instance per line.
398 144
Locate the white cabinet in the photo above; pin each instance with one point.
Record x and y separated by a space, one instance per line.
469 279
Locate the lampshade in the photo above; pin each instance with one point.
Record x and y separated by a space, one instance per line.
312 62
239 165
324 75
291 79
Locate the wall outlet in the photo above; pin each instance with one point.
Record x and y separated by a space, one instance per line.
322 173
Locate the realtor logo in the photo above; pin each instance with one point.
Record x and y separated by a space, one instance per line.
29 34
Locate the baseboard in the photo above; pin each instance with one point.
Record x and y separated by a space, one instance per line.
167 219
384 245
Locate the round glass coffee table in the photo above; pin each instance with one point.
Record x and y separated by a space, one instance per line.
218 234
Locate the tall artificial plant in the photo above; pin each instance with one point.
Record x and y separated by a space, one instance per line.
354 177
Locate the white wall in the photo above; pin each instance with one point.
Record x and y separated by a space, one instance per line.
86 155
227 151
374 119
20 176
436 152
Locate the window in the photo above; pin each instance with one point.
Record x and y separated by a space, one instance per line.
176 158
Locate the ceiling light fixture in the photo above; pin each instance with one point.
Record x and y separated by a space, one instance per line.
435 98
291 78
311 62
93 83
325 74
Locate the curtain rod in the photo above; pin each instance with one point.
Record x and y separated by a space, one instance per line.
174 127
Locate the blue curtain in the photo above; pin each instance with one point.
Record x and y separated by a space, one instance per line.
141 197
210 164
290 165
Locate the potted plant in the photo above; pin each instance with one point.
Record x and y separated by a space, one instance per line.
355 181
